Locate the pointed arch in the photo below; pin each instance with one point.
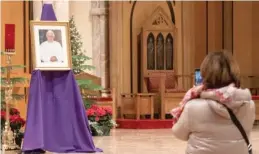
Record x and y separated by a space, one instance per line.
150 51
169 51
160 52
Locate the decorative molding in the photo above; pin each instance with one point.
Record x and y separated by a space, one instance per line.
158 19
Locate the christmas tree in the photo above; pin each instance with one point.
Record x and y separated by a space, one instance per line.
79 61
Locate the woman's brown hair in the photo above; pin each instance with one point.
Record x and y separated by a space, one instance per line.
219 69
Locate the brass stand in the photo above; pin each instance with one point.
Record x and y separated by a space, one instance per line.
8 139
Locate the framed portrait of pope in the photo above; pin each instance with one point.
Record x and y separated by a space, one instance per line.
50 45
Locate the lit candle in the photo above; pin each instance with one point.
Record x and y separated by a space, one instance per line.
10 38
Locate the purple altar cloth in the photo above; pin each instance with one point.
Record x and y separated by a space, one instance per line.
48 13
56 118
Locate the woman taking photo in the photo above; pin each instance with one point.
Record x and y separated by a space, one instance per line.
204 119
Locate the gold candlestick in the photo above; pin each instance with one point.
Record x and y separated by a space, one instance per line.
8 139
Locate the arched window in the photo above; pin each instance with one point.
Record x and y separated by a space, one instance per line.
150 52
160 52
169 50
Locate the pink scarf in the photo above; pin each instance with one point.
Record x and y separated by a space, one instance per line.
222 95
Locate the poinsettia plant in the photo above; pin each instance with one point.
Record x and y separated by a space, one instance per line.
100 120
16 123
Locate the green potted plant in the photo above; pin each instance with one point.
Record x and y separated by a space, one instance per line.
16 123
100 120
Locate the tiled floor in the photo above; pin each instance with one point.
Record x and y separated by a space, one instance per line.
150 142
160 141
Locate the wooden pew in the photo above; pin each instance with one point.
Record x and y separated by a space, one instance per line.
158 84
137 104
170 98
168 88
96 80
252 82
128 104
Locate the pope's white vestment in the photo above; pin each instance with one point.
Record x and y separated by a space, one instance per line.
50 49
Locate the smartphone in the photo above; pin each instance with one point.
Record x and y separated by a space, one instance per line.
198 78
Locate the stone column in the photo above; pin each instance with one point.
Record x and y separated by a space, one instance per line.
100 40
37 9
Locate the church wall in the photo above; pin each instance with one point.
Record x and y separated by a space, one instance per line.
12 13
188 41
61 8
37 9
255 36
228 25
246 37
243 36
126 8
17 12
215 31
200 26
116 47
81 12
179 25
194 33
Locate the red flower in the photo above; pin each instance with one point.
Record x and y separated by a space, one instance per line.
14 111
100 112
96 113
17 119
94 107
90 112
3 114
14 118
108 110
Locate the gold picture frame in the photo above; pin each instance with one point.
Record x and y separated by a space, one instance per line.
51 49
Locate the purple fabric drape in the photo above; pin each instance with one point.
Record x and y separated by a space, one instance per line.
48 13
56 118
